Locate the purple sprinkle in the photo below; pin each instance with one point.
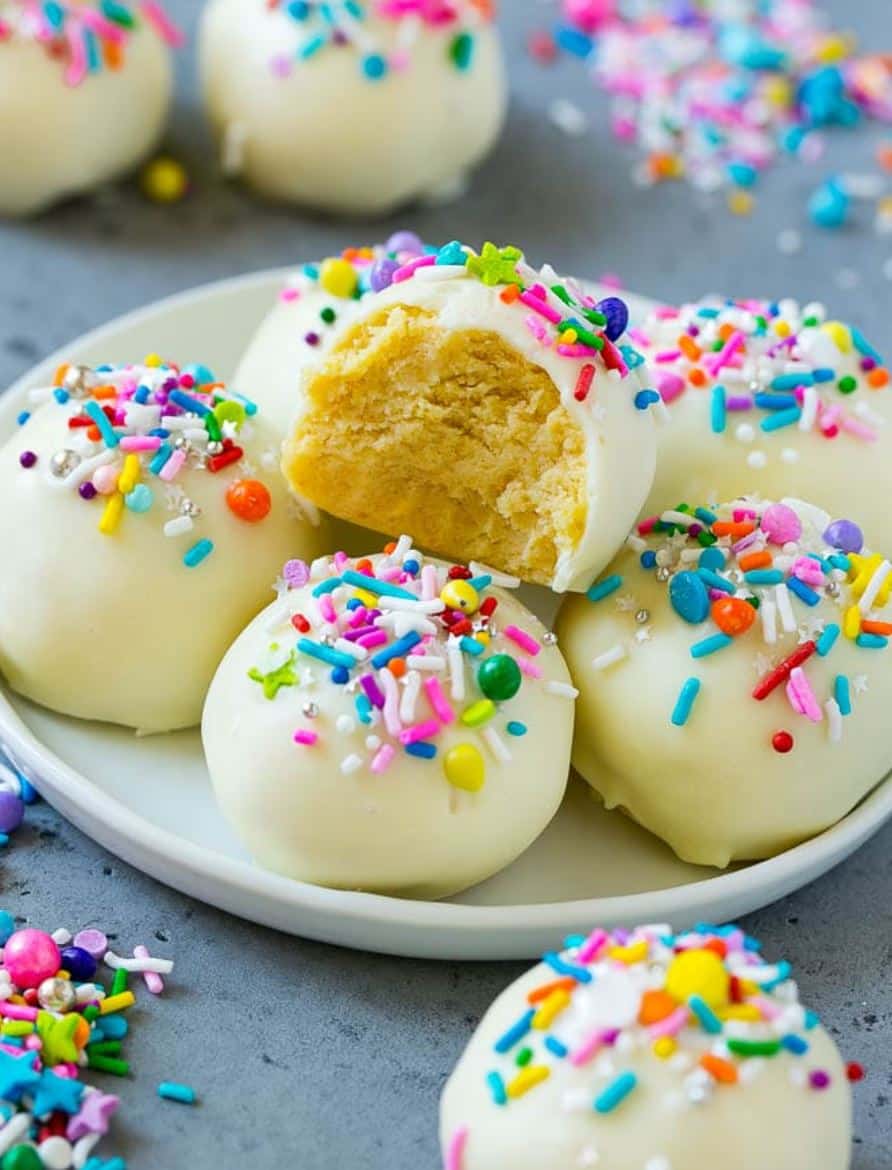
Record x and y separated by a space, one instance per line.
86 491
311 338
280 65
405 242
371 688
739 402
381 275
296 574
28 458
844 535
355 635
12 811
819 1079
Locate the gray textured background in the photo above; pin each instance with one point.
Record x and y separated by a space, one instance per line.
322 1059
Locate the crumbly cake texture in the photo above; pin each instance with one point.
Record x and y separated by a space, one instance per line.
393 724
735 676
643 1049
143 518
491 408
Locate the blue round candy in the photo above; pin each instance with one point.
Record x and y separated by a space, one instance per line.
7 926
829 205
689 597
616 311
845 535
712 558
340 675
79 964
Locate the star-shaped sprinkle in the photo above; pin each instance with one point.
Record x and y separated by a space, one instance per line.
55 1092
859 684
644 634
57 1036
452 253
273 681
94 1115
810 630
17 1074
296 574
626 603
496 265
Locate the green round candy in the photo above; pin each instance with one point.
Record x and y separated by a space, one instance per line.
21 1158
499 678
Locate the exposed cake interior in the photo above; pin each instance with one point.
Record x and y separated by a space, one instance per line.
451 435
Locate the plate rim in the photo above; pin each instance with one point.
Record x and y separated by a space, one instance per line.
110 822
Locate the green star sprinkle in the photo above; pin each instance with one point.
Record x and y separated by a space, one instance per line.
274 680
496 265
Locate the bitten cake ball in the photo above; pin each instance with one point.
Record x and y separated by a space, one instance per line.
142 518
84 95
353 107
489 408
391 724
735 676
774 398
308 309
644 1050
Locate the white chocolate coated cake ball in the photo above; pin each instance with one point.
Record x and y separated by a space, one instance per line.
389 726
142 519
644 1050
353 107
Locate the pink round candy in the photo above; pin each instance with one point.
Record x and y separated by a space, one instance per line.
105 479
30 956
589 15
781 524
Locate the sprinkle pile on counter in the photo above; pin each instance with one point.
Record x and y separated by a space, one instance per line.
558 313
323 25
705 1002
756 571
86 37
418 646
765 369
57 1020
134 430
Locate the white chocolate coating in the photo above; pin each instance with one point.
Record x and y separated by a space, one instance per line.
328 137
716 789
321 814
116 627
844 474
59 140
676 1118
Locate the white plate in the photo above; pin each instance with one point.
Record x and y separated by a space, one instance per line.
149 800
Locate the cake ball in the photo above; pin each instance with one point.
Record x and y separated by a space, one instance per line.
85 90
391 724
489 408
646 1050
735 676
769 397
307 310
353 107
142 518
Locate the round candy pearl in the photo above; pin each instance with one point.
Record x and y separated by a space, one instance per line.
7 926
464 767
249 499
92 941
733 615
845 535
338 277
589 15
782 742
55 1153
79 964
381 276
12 811
460 595
56 995
21 1158
30 956
781 524
689 597
698 973
405 242
164 180
105 479
27 459
499 678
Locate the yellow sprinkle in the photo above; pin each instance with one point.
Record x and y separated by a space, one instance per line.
551 1007
569 337
834 48
782 328
746 1012
111 514
861 574
778 91
116 1003
740 202
478 713
482 637
527 1079
129 477
153 360
63 974
636 953
839 334
16 1028
369 600
665 1047
851 622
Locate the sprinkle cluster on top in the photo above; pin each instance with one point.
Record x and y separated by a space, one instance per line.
85 36
419 648
341 23
57 1019
757 570
559 314
765 368
136 429
705 1002
714 92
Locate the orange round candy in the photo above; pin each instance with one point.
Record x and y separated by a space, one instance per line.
249 499
732 615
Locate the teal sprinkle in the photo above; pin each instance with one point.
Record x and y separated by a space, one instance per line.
843 694
199 552
715 581
310 48
363 708
709 1021
780 419
710 645
327 586
497 1088
373 585
718 413
554 1046
802 591
687 696
616 1092
604 588
325 653
480 583
861 343
705 515
871 641
840 561
827 640
516 728
471 646
763 577
162 455
100 418
515 1033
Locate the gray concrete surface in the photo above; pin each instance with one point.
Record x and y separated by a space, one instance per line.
320 1059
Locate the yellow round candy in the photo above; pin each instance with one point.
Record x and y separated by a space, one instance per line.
839 335
464 767
664 1047
461 595
164 180
338 277
699 973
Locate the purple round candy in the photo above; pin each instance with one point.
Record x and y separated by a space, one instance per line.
12 812
28 458
616 311
311 338
86 491
381 276
93 941
780 524
819 1079
845 535
405 242
79 964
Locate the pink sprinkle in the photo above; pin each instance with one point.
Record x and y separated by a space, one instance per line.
98 24
528 667
172 467
289 294
369 641
165 27
522 639
327 609
667 313
746 542
383 758
14 1011
667 355
671 1026
442 708
306 738
592 945
670 386
140 443
408 270
718 361
78 64
537 329
418 731
538 305
808 571
647 526
341 561
769 1009
576 351
859 429
428 583
802 697
152 979
639 336
589 1047
455 1154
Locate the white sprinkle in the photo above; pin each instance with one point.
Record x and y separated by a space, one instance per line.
345 724
351 763
372 742
119 963
658 1163
405 623
88 992
609 657
232 149
179 526
61 937
399 553
789 455
834 720
391 690
82 1148
756 460
785 609
503 580
83 471
563 689
874 585
497 745
16 1128
425 662
636 543
768 613
456 668
745 432
436 272
404 604
411 688
869 416
357 653
809 409
682 518
320 568
568 117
